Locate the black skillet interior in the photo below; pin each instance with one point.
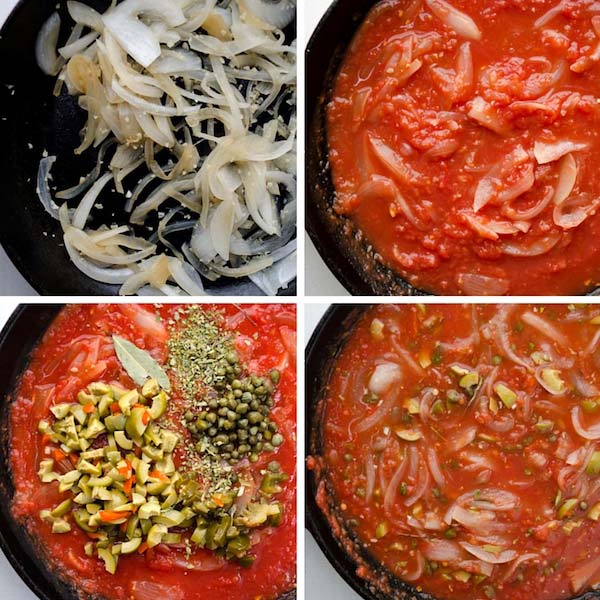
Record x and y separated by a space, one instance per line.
326 342
18 338
340 244
32 121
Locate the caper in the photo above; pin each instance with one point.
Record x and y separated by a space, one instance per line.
212 431
254 417
246 397
211 418
237 393
236 384
242 408
242 434
223 402
275 375
268 447
232 404
253 457
232 416
232 357
221 439
255 404
243 423
227 425
189 415
260 390
253 430
274 466
277 440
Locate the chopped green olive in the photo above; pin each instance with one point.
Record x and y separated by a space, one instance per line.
382 530
568 508
408 435
553 381
506 395
593 467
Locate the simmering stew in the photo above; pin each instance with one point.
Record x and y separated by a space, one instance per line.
463 141
461 446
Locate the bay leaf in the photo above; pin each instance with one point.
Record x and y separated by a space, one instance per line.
139 364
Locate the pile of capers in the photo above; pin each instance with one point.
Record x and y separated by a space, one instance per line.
234 421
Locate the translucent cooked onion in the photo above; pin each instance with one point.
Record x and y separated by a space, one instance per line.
475 284
443 551
384 376
567 178
277 13
549 152
537 248
43 187
588 433
489 557
575 210
543 326
454 18
45 45
198 94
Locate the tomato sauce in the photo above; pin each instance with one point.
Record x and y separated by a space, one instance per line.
463 142
461 447
77 350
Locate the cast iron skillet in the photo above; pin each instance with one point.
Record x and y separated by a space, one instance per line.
341 245
327 341
18 339
33 120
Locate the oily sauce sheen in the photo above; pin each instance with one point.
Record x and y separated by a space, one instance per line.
60 367
461 444
463 142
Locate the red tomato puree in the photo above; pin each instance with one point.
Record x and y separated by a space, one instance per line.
464 143
461 446
76 350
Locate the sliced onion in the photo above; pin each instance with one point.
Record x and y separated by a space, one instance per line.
85 206
380 413
45 45
454 18
438 550
537 248
395 163
394 484
588 433
575 210
492 185
545 152
43 187
475 284
384 376
103 274
543 326
277 13
489 557
421 487
85 15
549 15
434 468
